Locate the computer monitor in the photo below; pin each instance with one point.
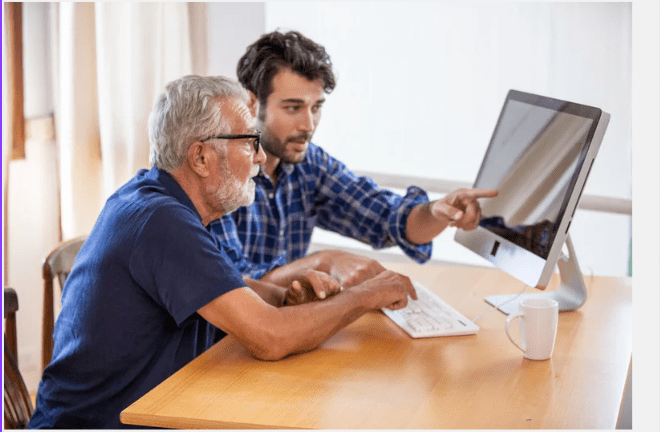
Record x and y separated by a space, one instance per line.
538 159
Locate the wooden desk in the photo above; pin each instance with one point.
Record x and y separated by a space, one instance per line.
371 375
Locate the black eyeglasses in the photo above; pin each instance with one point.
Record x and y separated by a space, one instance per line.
256 138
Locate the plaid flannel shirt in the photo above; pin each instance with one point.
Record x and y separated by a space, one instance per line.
320 191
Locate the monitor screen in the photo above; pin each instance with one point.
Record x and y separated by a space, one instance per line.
532 173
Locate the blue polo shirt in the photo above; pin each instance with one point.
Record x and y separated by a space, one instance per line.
128 318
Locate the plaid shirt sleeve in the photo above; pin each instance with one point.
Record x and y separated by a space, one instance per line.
227 235
357 207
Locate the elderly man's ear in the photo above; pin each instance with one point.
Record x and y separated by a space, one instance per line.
198 160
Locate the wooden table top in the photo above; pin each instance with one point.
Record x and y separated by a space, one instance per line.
372 375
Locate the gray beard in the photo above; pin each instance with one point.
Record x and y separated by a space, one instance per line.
231 194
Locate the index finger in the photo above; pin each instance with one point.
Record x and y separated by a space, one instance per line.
412 293
480 193
317 285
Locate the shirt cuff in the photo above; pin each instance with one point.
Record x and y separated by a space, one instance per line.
420 253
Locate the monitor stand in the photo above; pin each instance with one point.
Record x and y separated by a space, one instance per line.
570 294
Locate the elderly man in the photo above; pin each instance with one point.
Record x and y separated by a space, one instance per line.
300 186
151 288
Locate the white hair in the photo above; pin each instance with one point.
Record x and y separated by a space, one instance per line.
185 112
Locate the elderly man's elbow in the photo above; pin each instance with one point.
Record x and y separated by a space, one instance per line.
270 348
268 355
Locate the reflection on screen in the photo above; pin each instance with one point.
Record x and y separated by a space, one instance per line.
524 161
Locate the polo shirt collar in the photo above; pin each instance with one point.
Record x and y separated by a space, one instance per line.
174 189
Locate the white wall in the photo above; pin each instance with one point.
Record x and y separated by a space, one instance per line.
420 86
231 28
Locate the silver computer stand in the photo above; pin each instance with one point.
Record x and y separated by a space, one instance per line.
570 294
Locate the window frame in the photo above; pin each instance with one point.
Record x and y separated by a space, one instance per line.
13 57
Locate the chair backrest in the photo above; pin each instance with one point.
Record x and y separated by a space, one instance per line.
11 306
16 399
57 265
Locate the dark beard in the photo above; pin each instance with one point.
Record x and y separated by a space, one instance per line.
275 146
278 148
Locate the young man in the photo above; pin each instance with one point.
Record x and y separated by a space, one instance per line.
300 186
151 289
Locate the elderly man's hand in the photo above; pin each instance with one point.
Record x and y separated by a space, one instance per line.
461 207
388 289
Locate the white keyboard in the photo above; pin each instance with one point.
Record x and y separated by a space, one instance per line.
430 316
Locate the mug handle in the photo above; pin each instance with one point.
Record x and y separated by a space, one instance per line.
509 319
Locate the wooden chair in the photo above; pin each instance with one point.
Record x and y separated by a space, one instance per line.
57 265
16 399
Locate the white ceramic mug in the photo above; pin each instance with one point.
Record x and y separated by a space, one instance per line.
538 327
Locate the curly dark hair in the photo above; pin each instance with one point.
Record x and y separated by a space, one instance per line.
275 51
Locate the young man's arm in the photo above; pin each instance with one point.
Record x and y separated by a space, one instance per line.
458 209
271 333
346 268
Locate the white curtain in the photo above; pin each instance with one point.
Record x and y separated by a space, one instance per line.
110 62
